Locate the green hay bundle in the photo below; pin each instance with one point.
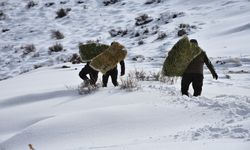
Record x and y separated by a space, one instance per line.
90 50
179 57
109 58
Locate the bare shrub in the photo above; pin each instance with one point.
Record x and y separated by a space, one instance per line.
143 19
28 49
57 34
120 32
140 75
2 15
80 2
109 2
228 76
75 59
168 80
154 76
31 4
184 29
56 48
5 30
141 42
86 88
152 1
182 32
130 83
62 12
49 4
161 36
63 2
167 17
138 58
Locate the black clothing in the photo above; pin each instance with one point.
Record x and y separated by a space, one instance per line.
87 70
196 65
194 74
113 73
197 81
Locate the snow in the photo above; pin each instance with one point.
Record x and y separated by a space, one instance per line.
40 103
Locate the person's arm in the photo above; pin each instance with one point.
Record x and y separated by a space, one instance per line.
210 66
122 63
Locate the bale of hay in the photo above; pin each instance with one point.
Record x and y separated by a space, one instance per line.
179 57
109 58
90 50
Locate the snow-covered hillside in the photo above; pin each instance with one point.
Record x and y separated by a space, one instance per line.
220 27
40 103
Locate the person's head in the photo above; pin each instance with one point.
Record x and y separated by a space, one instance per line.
194 41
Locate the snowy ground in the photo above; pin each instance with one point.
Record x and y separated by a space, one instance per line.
40 103
43 108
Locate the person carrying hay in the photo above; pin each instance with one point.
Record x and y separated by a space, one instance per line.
186 60
107 61
113 73
87 52
194 72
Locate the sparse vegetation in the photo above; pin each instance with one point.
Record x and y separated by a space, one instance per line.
56 34
168 17
5 30
168 80
228 76
138 58
63 2
181 32
28 49
109 2
80 2
130 83
56 48
118 32
139 74
154 76
143 19
49 4
62 12
87 88
2 15
31 4
75 59
161 36
37 66
152 1
141 42
184 29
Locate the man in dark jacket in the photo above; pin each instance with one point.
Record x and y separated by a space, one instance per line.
113 73
194 73
87 70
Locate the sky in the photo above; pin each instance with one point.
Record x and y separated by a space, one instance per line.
43 104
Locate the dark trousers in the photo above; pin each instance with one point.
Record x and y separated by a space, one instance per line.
113 73
93 75
197 81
